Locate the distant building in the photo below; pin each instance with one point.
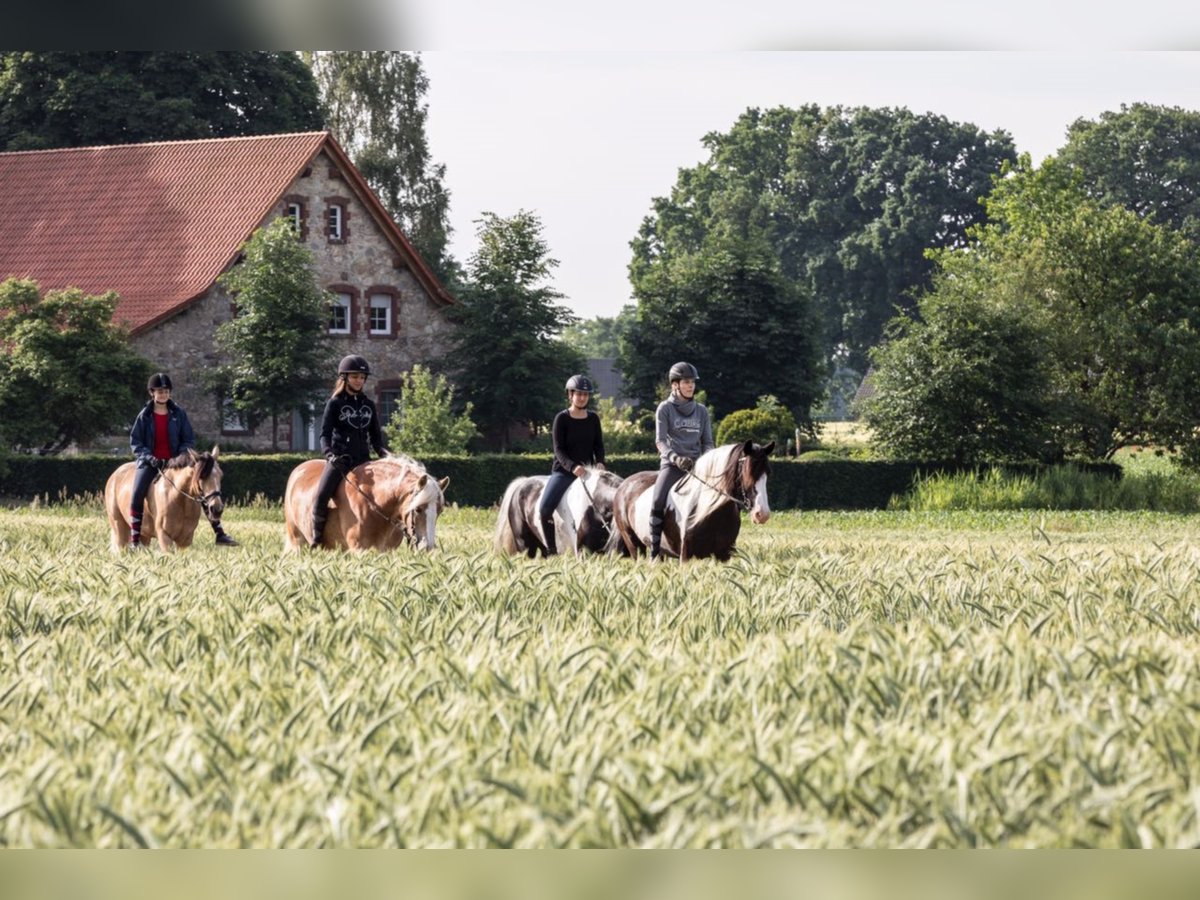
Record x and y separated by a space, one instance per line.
608 381
159 222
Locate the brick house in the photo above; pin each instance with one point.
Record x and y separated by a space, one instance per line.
159 222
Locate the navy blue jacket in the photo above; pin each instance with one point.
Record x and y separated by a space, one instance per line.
179 433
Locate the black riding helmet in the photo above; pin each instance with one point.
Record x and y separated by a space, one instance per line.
580 383
159 380
683 370
353 364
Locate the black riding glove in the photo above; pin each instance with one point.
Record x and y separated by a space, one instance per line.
681 462
160 464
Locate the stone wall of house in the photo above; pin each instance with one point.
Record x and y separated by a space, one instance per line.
362 263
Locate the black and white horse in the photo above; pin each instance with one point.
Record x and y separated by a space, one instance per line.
703 514
583 518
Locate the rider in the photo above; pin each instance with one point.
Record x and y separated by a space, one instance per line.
578 440
160 432
349 430
682 433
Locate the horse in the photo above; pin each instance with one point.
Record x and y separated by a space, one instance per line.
582 520
190 483
702 517
379 505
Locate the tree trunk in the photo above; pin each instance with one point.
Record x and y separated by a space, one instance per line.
274 430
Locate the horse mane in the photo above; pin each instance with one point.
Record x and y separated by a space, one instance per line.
204 463
407 462
718 467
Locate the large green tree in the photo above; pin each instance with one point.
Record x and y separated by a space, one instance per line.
373 102
849 198
601 337
728 309
64 98
1112 297
67 372
1145 158
278 347
508 359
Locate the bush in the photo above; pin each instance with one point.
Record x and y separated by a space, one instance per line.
768 421
425 421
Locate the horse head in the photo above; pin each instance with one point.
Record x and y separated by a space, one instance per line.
205 484
421 499
748 471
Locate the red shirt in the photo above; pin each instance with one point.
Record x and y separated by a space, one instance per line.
162 445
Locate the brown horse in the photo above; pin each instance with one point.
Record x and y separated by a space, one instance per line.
190 484
703 514
378 506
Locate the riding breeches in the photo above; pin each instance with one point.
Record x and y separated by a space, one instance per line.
668 477
326 488
143 477
552 493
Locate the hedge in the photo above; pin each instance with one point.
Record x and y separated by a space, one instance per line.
480 480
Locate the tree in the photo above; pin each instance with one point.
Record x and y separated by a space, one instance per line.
506 356
67 373
278 343
600 338
1145 158
373 103
728 309
967 381
767 421
81 98
424 422
848 198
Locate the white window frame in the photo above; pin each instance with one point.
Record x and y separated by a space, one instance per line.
342 301
334 222
384 302
295 212
231 419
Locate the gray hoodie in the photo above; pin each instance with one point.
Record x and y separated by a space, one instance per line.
682 427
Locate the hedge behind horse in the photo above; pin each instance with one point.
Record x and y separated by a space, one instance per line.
378 506
191 483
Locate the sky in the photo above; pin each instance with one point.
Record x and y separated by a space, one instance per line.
586 138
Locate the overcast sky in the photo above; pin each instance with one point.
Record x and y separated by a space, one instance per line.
586 136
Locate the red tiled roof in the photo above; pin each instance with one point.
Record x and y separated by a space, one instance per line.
157 223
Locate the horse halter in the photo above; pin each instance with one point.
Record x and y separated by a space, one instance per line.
407 525
203 499
745 503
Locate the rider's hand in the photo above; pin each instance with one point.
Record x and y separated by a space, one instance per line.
579 471
684 463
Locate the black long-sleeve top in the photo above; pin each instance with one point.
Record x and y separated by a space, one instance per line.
350 426
577 442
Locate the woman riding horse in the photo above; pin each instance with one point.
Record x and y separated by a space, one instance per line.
349 425
161 432
682 434
578 443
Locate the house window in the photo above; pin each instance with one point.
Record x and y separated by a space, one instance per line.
232 420
381 314
335 222
339 314
295 213
389 403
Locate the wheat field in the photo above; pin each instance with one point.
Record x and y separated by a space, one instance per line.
886 679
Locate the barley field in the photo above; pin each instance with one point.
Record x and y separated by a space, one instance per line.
890 679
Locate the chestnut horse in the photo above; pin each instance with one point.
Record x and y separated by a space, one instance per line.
703 514
583 519
379 505
191 483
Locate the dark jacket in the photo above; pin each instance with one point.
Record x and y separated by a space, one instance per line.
179 433
350 427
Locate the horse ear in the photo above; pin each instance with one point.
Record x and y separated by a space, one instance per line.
193 455
422 481
442 484
748 446
216 451
768 448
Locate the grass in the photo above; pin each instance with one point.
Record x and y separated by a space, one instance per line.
895 678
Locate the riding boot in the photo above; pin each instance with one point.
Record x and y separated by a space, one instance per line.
318 528
548 533
222 539
656 527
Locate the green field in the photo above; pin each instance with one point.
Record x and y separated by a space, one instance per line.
887 679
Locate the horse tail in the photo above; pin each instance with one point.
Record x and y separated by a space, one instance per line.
505 540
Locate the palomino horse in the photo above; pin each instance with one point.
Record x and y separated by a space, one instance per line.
583 519
191 483
702 517
379 505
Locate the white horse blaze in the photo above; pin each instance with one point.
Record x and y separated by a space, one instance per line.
762 508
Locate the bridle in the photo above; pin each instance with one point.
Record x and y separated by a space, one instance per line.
203 499
744 502
407 525
592 501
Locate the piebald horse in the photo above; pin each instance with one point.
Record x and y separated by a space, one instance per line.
582 520
378 506
703 514
190 484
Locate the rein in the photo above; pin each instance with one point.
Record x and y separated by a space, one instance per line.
407 526
204 500
592 501
744 503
